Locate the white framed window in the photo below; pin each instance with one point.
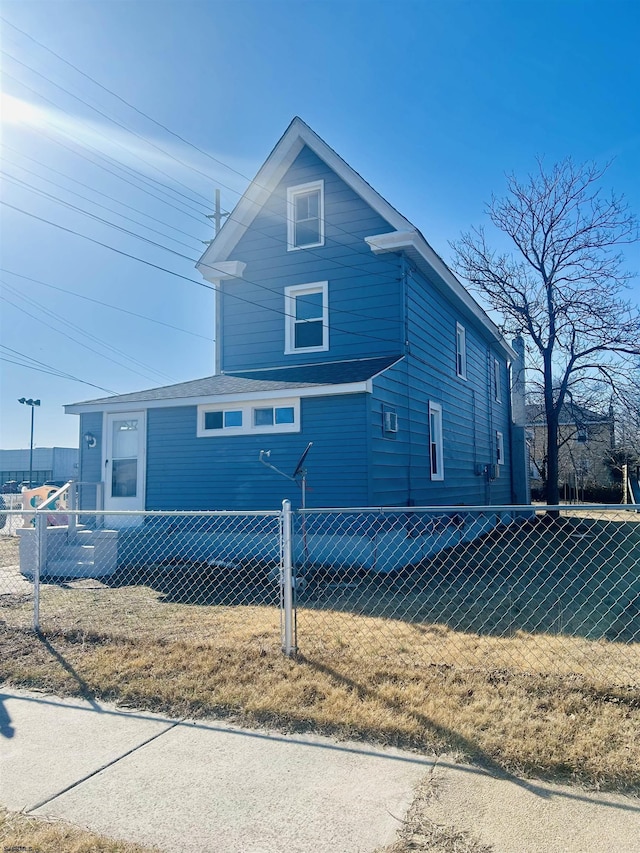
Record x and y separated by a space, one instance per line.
249 417
389 420
305 216
306 309
497 384
435 441
499 448
461 351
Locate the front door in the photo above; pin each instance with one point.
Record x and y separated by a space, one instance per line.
124 466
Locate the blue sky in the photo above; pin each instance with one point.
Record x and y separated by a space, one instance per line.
432 102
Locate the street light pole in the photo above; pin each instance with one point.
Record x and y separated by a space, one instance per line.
33 404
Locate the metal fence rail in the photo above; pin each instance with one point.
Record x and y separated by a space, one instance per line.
546 590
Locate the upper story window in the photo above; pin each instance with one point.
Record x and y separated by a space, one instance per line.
461 351
306 309
435 441
249 417
497 383
305 216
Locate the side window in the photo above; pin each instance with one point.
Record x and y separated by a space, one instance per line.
497 384
435 441
305 216
461 351
306 309
499 448
247 417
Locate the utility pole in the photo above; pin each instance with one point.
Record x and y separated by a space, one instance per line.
217 217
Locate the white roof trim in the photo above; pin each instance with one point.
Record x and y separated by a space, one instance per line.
223 270
417 249
296 136
174 402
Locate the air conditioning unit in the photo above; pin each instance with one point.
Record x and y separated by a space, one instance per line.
390 421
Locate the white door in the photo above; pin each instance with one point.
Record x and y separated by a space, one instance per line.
124 466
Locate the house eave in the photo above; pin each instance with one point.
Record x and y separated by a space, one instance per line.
296 136
416 248
174 402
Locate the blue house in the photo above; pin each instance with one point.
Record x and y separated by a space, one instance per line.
335 323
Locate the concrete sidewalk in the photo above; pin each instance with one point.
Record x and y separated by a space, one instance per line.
208 786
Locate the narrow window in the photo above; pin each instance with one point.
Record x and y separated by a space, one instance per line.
435 441
461 351
499 448
306 318
305 216
497 385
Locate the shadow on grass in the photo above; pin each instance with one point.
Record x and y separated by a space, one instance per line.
571 577
453 739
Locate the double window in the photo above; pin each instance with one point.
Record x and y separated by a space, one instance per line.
306 309
305 216
247 418
435 441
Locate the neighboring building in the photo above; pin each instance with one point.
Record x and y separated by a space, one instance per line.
49 463
585 439
336 323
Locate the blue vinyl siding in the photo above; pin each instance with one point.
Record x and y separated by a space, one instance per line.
186 472
90 458
470 415
365 287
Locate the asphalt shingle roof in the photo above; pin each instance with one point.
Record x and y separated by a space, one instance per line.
266 379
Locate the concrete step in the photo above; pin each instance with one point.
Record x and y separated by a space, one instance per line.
70 569
74 552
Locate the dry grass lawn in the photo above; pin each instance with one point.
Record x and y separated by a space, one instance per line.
226 662
546 703
39 835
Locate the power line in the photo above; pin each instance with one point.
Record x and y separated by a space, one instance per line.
93 189
48 368
186 257
124 127
179 275
123 166
94 216
195 147
107 305
88 335
96 203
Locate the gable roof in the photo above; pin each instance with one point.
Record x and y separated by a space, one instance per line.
214 263
331 377
273 170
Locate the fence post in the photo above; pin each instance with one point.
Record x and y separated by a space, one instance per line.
72 518
288 634
41 532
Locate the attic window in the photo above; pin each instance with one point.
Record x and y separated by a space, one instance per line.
305 216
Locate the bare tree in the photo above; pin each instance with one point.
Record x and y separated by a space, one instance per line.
563 289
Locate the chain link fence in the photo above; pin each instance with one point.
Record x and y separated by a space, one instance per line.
492 588
535 589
